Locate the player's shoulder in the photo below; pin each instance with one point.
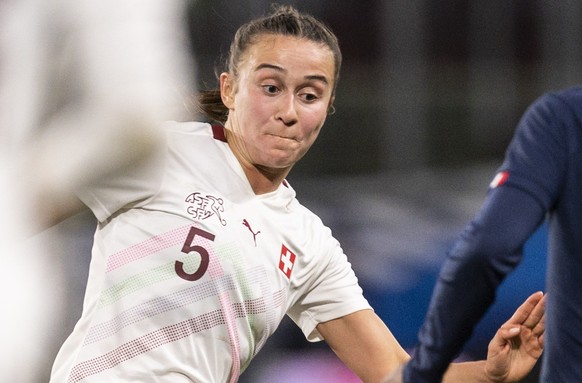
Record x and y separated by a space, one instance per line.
559 109
187 127
567 98
309 218
194 130
567 93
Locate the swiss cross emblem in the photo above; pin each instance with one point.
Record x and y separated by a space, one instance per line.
286 261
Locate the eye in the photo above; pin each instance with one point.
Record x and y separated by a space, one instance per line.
270 89
309 97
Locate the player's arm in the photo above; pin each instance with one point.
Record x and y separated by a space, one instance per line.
478 262
363 343
491 246
512 352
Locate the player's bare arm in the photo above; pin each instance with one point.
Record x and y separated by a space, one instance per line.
363 343
512 353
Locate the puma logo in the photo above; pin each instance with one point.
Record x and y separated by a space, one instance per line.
246 223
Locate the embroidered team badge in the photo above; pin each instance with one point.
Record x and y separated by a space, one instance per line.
287 261
499 179
205 206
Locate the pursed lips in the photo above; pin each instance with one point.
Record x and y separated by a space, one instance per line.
283 137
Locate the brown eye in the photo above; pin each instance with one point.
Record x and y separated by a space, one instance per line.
270 89
310 97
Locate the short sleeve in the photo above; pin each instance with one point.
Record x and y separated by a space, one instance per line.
333 292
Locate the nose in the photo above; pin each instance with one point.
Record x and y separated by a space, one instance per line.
287 112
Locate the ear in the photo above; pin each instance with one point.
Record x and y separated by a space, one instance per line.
330 107
227 90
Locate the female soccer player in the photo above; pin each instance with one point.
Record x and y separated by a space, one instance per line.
199 254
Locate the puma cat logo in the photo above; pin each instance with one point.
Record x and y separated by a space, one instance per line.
246 223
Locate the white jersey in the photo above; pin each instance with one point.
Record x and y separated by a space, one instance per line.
189 280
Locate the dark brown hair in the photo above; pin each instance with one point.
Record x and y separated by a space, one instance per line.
283 20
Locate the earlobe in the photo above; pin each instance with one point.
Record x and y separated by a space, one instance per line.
330 107
226 91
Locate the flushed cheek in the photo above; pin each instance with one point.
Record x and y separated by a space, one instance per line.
315 118
257 108
314 127
308 138
251 121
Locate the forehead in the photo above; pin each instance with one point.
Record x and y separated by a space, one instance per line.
290 53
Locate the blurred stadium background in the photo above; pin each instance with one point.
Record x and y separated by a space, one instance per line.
429 96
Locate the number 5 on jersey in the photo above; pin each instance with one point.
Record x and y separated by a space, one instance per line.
188 248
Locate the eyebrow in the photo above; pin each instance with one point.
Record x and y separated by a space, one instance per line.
283 70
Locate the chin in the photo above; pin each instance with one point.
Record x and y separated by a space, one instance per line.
282 160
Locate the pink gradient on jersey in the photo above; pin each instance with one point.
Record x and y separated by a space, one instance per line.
146 248
228 314
232 329
215 271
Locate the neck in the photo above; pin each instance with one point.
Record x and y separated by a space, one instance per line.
264 180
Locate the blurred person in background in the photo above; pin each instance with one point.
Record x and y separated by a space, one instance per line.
83 87
540 179
200 253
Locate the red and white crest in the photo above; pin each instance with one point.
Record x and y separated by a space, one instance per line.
286 261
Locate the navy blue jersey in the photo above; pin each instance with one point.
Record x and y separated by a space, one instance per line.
540 178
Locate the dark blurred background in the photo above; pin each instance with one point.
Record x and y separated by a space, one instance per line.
423 83
429 96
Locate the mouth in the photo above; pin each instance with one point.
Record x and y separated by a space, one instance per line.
284 138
